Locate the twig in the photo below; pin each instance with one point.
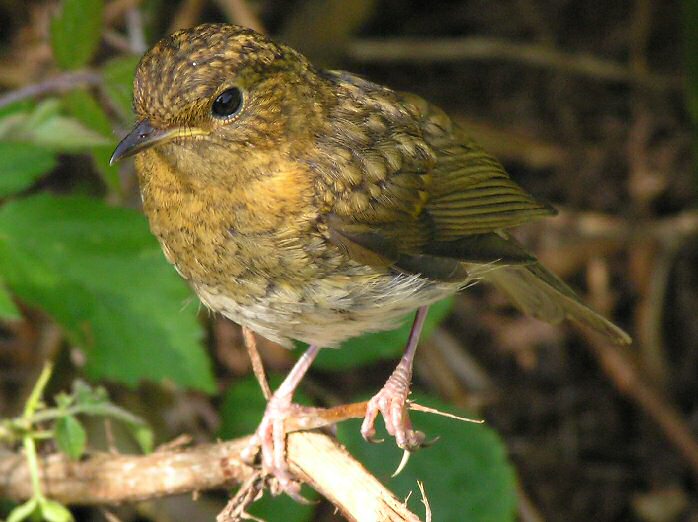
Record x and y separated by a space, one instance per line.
136 32
187 14
117 8
624 373
108 479
484 48
528 511
239 12
256 360
620 231
61 83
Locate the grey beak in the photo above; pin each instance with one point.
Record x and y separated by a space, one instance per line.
141 137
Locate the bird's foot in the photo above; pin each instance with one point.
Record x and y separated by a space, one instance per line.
270 440
391 402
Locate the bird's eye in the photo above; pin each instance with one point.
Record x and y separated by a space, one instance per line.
227 103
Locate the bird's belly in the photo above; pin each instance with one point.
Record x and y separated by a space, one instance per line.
328 311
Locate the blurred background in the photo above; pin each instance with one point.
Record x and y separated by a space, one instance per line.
591 106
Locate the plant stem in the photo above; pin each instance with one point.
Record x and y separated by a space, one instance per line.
29 444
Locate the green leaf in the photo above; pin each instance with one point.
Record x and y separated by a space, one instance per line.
118 84
21 164
53 511
83 106
370 348
103 277
46 127
65 134
466 473
23 511
144 436
76 32
8 309
70 436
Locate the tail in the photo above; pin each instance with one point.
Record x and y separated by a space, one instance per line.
538 292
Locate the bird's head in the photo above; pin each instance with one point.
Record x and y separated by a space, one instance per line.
206 98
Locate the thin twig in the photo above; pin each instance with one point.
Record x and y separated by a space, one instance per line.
187 15
117 8
239 12
57 84
624 373
256 360
483 48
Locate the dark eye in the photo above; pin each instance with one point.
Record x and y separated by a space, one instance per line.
227 103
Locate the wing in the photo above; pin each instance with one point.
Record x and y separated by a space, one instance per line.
405 187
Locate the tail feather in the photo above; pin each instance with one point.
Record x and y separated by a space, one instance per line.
538 292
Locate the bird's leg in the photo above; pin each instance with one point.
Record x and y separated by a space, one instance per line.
391 400
257 365
270 436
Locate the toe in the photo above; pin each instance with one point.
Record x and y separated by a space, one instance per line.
368 426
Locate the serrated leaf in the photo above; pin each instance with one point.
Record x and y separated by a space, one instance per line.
53 511
23 511
75 32
118 84
374 347
8 309
103 277
466 473
70 436
21 164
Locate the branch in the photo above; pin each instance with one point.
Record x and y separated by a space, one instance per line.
483 48
105 478
57 84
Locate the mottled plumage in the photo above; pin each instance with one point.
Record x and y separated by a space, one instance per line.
316 205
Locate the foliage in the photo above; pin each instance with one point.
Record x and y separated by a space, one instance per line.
61 423
102 276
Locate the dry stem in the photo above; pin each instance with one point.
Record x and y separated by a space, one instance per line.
104 478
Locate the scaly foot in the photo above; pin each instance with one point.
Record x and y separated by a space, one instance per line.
391 401
270 440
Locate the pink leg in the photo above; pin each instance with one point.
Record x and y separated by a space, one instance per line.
270 436
391 400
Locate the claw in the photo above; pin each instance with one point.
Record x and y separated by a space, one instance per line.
403 462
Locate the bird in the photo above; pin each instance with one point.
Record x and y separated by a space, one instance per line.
315 205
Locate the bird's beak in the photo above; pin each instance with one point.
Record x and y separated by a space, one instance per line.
144 135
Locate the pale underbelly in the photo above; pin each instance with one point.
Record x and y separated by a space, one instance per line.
327 312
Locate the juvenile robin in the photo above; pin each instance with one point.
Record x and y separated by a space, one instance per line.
315 205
